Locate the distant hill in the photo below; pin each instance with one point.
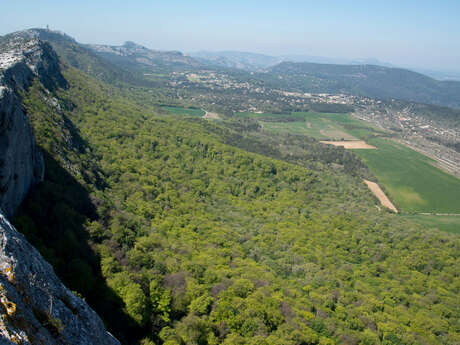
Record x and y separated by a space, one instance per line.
366 80
236 59
133 55
333 60
439 75
130 62
255 62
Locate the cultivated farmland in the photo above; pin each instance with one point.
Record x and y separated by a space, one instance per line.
411 179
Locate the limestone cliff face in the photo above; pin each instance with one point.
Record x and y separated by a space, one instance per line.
35 307
21 163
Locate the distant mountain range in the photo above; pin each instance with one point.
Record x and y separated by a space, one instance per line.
366 77
130 63
256 62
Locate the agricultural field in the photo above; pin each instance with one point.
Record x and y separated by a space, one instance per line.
321 126
410 178
184 111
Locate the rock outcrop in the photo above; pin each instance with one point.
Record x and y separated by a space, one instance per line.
35 307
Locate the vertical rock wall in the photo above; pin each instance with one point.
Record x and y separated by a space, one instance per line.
21 163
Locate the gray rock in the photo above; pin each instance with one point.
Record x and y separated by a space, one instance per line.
35 307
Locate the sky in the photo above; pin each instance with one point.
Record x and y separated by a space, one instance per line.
415 33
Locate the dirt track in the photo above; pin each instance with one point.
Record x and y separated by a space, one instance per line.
351 144
378 192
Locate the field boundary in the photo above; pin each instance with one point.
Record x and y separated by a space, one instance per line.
439 214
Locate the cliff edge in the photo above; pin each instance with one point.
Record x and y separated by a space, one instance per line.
35 307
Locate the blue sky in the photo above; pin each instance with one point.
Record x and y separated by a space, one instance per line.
413 33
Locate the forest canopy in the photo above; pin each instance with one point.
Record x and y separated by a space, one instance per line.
177 234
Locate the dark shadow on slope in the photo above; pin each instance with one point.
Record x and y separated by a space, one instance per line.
52 217
49 72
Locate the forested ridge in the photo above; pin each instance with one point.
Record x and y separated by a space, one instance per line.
368 80
176 234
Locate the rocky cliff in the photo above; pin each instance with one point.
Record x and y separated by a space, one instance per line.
21 163
35 307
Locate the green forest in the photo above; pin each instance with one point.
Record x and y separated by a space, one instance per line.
182 231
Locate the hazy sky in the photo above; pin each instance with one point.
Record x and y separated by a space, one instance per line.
417 33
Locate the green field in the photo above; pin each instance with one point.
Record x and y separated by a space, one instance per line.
347 123
184 111
444 223
411 179
317 125
300 128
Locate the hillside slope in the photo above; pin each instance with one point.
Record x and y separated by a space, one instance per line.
35 307
201 242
